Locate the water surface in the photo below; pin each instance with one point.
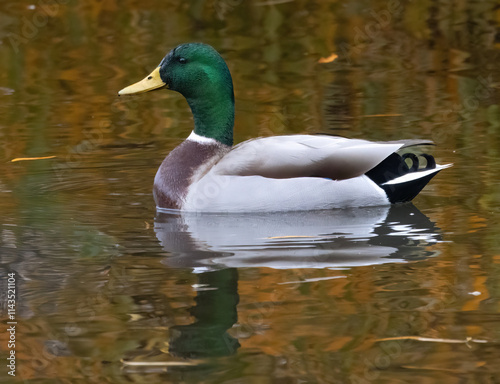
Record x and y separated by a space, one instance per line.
109 290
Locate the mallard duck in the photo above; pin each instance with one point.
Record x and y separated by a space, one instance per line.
206 173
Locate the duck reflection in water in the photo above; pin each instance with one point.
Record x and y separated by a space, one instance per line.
312 239
215 313
215 245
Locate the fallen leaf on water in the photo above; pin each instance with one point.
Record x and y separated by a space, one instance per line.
159 363
328 59
384 115
31 158
135 317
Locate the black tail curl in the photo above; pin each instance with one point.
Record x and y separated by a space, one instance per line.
396 166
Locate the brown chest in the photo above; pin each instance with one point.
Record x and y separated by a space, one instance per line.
188 161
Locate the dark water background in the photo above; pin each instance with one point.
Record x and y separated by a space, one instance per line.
110 292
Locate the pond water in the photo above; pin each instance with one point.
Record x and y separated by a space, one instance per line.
109 291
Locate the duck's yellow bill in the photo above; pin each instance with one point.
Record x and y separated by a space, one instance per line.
149 83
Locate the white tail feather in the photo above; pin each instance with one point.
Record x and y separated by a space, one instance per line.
416 175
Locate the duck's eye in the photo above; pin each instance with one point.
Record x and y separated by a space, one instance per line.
182 60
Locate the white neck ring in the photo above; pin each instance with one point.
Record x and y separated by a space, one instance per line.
201 139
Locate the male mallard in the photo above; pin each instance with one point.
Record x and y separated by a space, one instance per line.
280 173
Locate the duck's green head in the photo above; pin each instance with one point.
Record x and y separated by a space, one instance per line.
200 74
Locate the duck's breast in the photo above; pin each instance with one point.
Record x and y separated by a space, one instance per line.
186 164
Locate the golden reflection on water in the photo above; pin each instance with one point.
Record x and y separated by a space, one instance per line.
97 290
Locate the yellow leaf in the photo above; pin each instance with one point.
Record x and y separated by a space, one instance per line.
384 115
328 59
160 363
31 158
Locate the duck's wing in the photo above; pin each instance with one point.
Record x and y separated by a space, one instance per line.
282 157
